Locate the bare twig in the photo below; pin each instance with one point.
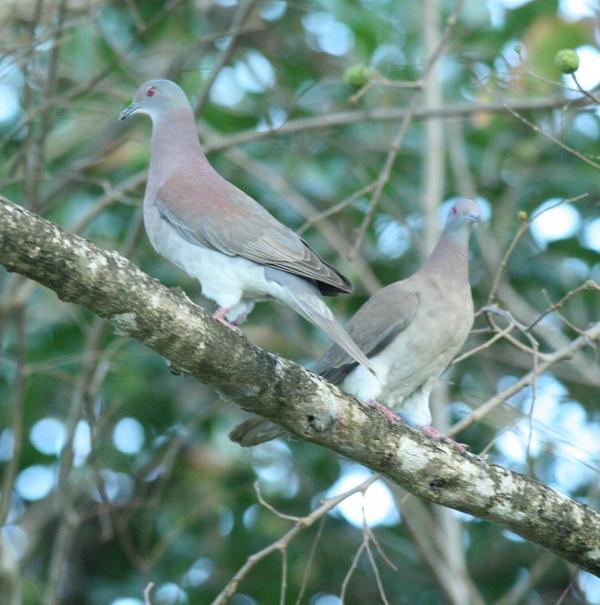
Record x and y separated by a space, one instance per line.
148 593
17 403
523 228
537 129
270 508
394 149
383 177
336 207
488 343
311 556
367 540
588 285
281 544
350 572
587 93
241 15
588 336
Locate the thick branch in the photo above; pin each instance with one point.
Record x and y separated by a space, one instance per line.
306 405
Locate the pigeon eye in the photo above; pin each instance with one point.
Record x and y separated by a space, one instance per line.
151 91
453 211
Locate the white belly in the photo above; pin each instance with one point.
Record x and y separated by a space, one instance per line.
225 279
407 369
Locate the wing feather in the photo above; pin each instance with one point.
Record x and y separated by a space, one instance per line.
379 321
217 215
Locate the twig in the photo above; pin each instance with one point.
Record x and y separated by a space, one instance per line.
304 522
526 582
587 93
239 19
557 305
367 539
378 80
537 129
375 569
517 237
44 119
589 335
488 343
336 207
270 508
350 572
17 405
494 310
384 175
531 409
311 556
504 261
148 593
379 548
284 574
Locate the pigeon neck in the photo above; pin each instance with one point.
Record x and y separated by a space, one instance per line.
175 140
450 257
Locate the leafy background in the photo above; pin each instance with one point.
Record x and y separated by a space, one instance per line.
117 473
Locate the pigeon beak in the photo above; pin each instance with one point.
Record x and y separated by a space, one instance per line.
474 218
128 111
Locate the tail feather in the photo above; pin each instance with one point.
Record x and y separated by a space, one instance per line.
318 313
254 431
304 297
334 330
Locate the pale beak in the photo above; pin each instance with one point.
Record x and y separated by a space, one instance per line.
128 111
475 218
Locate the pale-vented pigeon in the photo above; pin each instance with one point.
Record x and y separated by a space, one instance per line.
221 236
410 331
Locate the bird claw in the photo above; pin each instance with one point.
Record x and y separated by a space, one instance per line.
382 409
219 315
433 432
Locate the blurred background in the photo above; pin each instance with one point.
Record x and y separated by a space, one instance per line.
117 474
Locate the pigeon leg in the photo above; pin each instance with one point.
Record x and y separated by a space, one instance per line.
219 315
433 432
393 418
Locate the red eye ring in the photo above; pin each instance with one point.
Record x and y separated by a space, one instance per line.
151 91
453 210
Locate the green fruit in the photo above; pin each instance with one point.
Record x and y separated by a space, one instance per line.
567 61
357 75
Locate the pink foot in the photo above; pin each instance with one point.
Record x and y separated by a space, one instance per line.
432 432
219 315
393 418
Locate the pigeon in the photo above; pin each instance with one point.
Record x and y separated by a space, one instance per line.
221 236
410 330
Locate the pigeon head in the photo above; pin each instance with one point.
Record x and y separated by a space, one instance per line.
463 213
154 98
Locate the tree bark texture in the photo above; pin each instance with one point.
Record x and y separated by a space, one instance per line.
306 405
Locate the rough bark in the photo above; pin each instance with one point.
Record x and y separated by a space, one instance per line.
306 405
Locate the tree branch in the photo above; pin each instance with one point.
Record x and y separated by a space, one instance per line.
305 404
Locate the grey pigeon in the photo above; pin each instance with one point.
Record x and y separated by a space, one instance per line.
221 236
410 331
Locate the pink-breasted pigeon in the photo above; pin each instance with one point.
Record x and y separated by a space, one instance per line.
410 331
219 235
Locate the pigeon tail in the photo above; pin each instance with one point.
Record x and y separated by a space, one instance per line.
305 299
255 431
332 328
